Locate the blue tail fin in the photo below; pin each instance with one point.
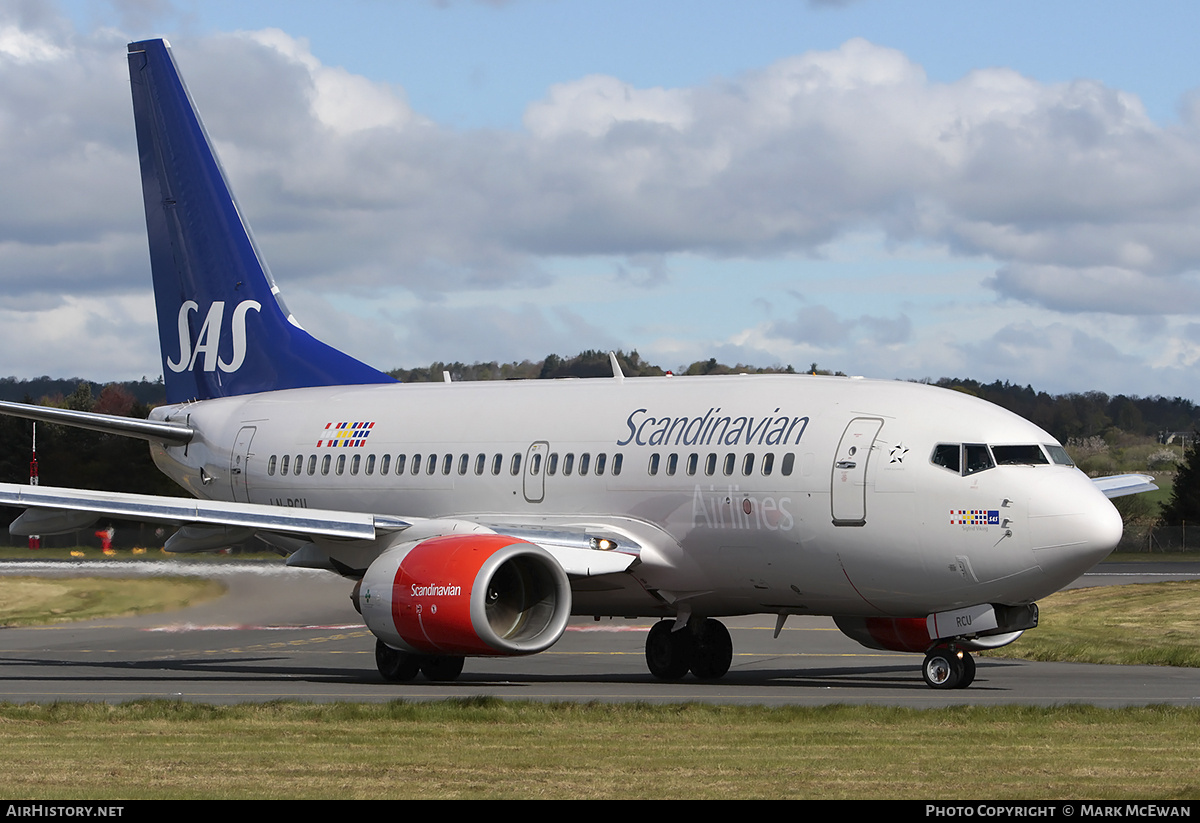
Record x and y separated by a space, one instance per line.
222 327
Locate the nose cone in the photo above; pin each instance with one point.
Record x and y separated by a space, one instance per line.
1072 526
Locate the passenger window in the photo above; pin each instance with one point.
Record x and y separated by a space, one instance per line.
535 464
692 462
552 464
730 459
672 464
653 467
497 462
416 464
748 464
463 462
789 463
283 465
340 466
271 465
600 461
516 465
768 463
431 464
299 460
354 461
447 463
946 455
325 461
401 459
977 458
584 459
312 465
710 465
383 464
618 459
480 462
568 464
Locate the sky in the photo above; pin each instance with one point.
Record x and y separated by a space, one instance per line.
1001 191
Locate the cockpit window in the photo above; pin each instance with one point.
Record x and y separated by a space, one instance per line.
1059 455
970 458
1019 455
946 455
977 458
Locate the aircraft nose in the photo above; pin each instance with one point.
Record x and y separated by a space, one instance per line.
1072 526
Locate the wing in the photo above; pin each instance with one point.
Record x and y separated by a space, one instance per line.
210 524
1119 485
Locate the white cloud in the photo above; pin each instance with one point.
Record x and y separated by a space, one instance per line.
1102 289
1082 202
595 104
344 102
27 47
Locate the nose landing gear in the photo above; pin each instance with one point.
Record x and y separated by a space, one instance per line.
948 668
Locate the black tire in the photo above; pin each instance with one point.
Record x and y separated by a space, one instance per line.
395 666
968 675
442 669
943 669
668 653
712 653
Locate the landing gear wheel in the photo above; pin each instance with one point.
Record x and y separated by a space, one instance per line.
713 650
968 675
943 669
668 653
395 666
442 668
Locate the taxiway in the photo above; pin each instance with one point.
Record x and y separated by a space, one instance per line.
292 634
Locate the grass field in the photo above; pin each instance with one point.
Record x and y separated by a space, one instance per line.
28 601
1154 624
487 748
78 553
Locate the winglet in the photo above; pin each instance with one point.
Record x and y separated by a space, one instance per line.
616 366
222 326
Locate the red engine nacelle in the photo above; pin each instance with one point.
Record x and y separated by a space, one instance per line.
479 594
893 634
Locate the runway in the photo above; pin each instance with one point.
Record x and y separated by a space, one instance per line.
292 634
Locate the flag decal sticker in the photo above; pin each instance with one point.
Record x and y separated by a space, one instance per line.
345 435
974 517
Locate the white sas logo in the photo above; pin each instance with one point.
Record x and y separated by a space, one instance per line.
209 339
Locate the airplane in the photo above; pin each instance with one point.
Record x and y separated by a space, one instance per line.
475 518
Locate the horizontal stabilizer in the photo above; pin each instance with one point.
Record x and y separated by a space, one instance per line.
159 431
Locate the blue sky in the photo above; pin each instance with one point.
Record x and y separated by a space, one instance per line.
902 190
478 64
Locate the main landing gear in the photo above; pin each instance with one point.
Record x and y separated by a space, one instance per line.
948 668
702 647
397 666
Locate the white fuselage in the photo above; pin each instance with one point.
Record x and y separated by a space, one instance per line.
746 494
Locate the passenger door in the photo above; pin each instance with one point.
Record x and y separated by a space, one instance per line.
849 481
